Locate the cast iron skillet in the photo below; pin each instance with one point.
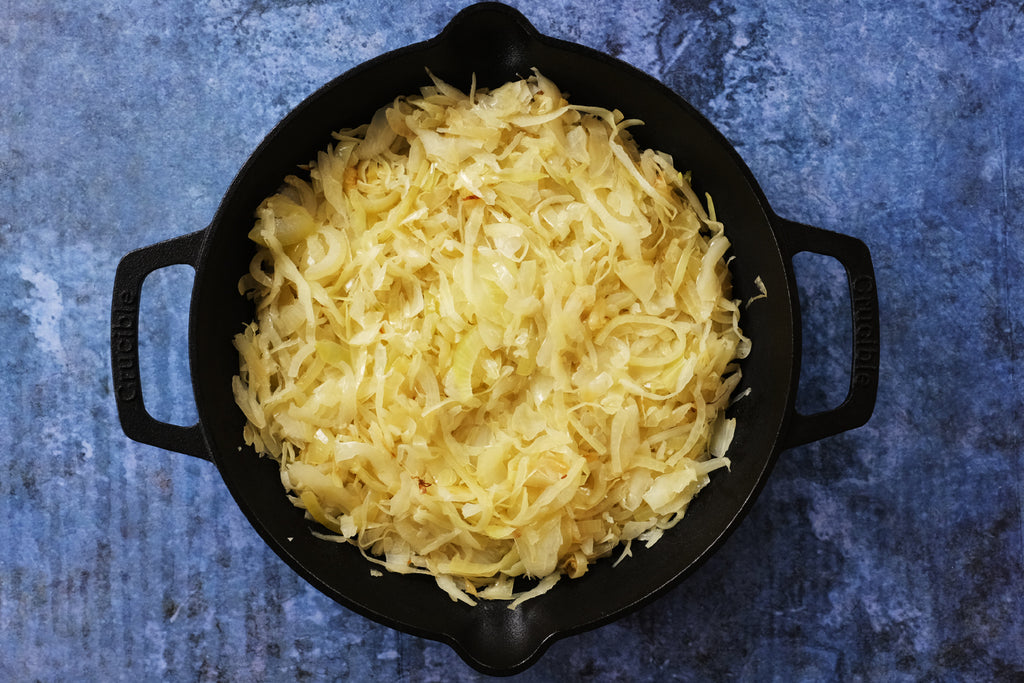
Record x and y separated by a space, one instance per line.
499 44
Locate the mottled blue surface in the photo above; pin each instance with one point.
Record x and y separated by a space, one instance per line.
892 552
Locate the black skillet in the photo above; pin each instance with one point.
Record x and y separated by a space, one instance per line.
498 44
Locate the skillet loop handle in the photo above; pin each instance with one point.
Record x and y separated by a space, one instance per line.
856 408
136 421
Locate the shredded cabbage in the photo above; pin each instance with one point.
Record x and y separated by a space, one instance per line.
493 339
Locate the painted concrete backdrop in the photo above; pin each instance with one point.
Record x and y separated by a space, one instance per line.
890 552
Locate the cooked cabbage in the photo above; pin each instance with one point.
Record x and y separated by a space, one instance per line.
493 338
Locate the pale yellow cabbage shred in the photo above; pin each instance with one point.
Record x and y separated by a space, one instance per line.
493 339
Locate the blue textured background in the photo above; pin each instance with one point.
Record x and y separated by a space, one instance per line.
892 552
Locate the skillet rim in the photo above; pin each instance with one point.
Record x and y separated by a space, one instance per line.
522 657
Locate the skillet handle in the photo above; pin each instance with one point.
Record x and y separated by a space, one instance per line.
136 421
856 408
